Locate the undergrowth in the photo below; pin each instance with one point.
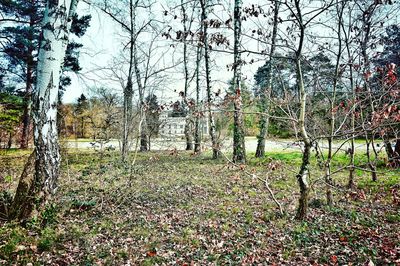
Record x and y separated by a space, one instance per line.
180 208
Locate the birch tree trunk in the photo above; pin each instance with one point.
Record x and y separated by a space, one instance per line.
239 149
212 127
265 106
34 190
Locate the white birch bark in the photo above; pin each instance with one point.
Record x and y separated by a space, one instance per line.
39 178
56 25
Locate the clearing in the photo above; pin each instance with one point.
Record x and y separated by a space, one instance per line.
174 208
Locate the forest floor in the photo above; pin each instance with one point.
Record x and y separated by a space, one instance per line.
176 208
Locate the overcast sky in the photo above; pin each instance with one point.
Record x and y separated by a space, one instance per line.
103 42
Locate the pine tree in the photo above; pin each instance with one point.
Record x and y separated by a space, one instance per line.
391 50
21 51
81 106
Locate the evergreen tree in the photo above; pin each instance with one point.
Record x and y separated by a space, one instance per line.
80 112
21 50
178 109
10 115
283 75
391 50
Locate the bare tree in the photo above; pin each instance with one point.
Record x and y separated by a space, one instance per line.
266 93
140 65
332 104
212 127
239 149
198 113
301 24
187 23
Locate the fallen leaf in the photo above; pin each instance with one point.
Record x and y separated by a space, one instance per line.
151 253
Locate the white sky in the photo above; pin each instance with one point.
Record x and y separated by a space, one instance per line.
103 41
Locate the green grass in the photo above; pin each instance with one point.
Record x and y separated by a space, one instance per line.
15 152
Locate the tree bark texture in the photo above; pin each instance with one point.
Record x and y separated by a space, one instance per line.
128 90
212 127
56 25
302 177
197 128
239 149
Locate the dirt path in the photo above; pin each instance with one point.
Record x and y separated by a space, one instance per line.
251 145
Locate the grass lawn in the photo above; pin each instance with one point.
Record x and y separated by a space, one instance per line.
181 209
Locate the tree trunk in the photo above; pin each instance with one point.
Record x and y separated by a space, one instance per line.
188 122
26 120
397 147
9 143
128 90
350 183
328 177
141 88
371 164
143 134
332 118
388 148
393 154
212 127
266 94
22 206
302 177
239 149
197 128
127 117
367 23
57 22
189 132
82 127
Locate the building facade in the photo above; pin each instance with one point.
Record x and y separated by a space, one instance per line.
175 126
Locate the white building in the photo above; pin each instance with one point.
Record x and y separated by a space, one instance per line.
175 126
